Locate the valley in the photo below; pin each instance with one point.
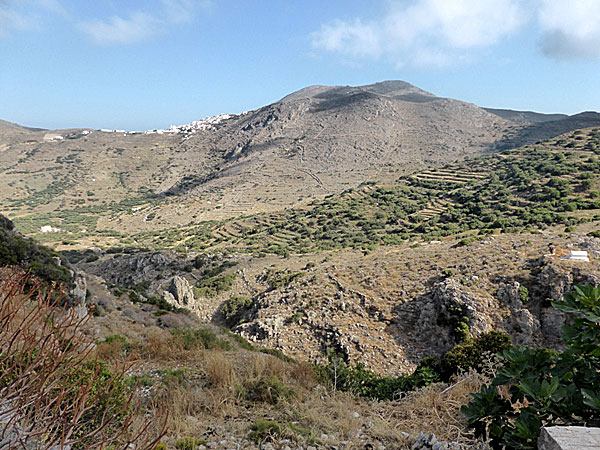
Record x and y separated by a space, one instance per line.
371 230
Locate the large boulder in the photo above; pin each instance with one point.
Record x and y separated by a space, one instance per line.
180 293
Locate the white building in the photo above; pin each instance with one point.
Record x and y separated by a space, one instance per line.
578 255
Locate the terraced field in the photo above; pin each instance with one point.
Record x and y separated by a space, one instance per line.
449 176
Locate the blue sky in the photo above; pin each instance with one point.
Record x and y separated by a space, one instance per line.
136 64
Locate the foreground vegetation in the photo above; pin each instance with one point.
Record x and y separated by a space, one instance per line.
84 397
52 391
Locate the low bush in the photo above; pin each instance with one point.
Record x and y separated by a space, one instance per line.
213 286
474 353
265 430
200 338
270 390
362 382
234 308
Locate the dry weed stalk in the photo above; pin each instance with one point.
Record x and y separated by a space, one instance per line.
51 393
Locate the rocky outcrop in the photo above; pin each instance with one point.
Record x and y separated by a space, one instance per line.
554 281
131 269
179 293
522 325
447 306
78 291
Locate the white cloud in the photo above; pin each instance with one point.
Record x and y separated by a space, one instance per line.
571 28
183 11
11 19
139 26
438 33
353 38
26 14
118 30
424 32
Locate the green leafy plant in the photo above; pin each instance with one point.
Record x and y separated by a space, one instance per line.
473 353
544 387
365 383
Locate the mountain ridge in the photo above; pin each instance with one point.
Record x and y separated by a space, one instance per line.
317 141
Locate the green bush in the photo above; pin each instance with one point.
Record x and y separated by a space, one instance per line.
234 308
546 387
281 278
213 286
474 353
523 294
263 430
271 390
362 382
200 338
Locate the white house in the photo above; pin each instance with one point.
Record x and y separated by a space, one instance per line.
53 137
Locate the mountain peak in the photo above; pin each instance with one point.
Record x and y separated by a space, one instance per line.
398 89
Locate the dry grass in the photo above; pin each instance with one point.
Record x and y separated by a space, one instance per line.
436 409
219 370
210 397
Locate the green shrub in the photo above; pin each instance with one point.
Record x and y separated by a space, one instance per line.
200 338
172 377
213 286
523 294
234 308
365 383
264 430
447 273
271 390
546 387
474 353
280 278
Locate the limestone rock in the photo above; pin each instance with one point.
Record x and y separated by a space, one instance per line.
508 294
79 289
181 294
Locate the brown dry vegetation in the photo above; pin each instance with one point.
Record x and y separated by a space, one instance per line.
219 394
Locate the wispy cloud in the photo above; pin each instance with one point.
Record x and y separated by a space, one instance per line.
121 30
183 11
571 28
424 32
26 14
139 26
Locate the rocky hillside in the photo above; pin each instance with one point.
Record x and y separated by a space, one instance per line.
315 142
371 272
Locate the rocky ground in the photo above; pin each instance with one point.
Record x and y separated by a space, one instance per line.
387 310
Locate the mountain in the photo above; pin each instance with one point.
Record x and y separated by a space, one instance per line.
377 225
525 116
315 142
